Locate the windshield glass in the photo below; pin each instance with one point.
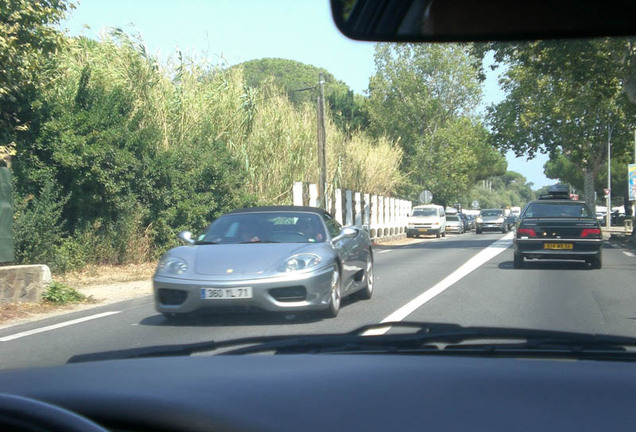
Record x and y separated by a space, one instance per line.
167 164
425 212
491 213
265 227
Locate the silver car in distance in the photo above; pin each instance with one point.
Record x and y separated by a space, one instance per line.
279 259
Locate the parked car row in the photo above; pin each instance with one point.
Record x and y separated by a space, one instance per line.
432 219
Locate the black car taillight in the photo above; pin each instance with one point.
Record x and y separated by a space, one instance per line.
526 231
591 232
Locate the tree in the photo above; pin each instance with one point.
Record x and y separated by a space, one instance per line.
565 170
507 190
564 99
293 76
425 96
28 37
300 82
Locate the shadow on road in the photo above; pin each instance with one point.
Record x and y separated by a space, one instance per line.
452 241
237 318
546 265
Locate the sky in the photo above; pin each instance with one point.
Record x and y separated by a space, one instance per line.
228 32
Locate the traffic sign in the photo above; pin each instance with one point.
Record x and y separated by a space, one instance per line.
607 192
426 197
475 204
632 181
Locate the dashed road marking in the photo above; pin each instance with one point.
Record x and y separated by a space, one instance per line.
475 262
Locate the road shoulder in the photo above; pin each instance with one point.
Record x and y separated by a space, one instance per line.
98 295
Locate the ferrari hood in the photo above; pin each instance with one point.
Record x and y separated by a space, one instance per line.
244 259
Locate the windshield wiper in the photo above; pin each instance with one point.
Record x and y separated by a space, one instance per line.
259 241
429 338
205 243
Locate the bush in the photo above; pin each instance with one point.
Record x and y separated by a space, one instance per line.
59 293
38 225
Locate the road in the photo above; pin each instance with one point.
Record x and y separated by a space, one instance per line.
466 279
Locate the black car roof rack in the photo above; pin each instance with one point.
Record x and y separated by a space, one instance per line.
557 191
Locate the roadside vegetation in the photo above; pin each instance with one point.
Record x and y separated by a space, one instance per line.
113 152
62 294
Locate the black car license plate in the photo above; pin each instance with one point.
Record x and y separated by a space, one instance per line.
558 246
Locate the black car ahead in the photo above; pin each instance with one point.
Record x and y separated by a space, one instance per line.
556 227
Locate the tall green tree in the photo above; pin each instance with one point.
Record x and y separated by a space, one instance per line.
294 77
28 38
565 170
564 99
300 83
425 97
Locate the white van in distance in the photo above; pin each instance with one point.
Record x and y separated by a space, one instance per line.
425 220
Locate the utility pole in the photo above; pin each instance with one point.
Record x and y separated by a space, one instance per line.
608 213
322 143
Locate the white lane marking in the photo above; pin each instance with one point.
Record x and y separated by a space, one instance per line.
56 326
481 258
385 251
629 254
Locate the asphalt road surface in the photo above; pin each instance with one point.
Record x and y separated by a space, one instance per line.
465 279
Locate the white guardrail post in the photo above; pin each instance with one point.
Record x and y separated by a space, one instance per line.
348 208
366 213
297 193
358 209
313 195
381 216
338 206
373 231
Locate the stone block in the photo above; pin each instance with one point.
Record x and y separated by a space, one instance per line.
23 283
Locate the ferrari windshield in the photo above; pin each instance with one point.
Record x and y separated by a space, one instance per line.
260 227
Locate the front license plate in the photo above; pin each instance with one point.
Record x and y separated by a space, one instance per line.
423 230
557 246
226 293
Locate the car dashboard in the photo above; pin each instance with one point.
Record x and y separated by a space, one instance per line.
338 392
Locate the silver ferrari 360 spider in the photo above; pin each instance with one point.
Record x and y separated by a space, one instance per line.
282 259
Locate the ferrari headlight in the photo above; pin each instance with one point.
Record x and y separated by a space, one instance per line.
500 220
479 220
300 262
411 225
172 265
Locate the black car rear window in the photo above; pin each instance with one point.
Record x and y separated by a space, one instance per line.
555 210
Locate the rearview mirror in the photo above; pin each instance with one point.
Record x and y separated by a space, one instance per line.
471 20
347 232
